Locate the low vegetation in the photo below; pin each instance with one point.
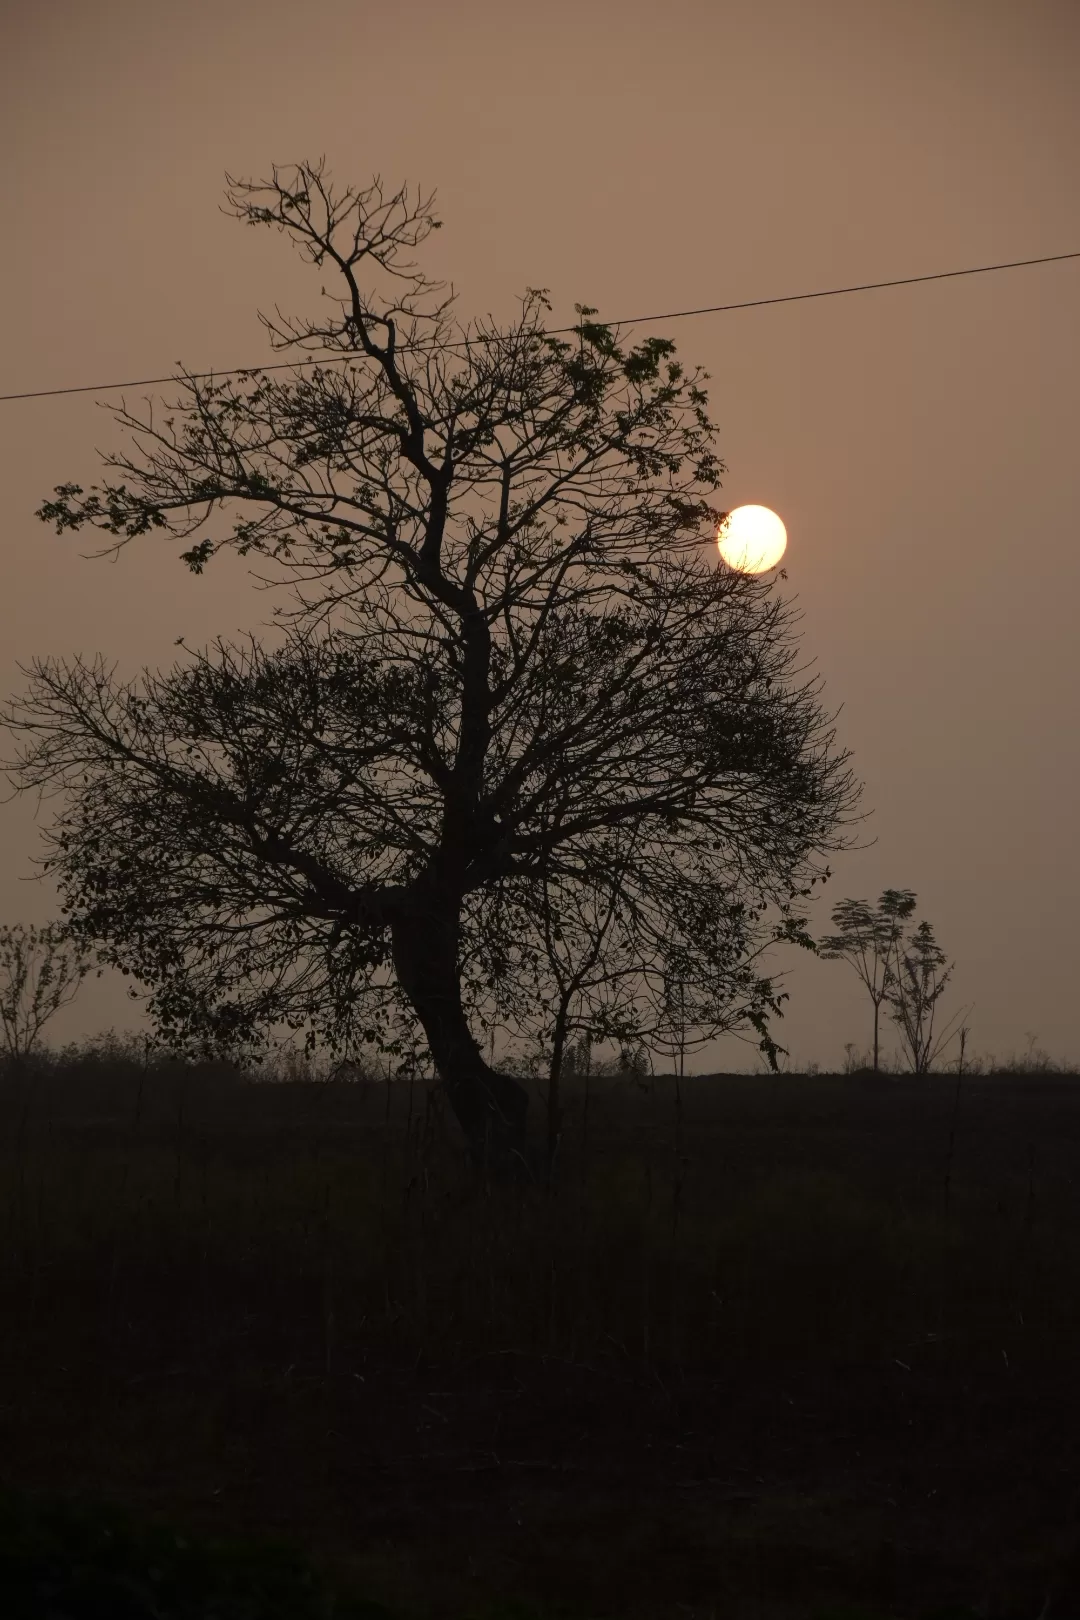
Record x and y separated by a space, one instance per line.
749 1314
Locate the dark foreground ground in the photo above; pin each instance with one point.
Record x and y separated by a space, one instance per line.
789 1356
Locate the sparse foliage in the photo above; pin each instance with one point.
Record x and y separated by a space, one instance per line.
514 659
867 937
903 969
917 981
41 970
587 982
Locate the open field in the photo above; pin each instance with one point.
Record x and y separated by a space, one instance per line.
779 1352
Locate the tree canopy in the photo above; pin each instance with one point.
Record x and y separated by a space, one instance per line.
517 691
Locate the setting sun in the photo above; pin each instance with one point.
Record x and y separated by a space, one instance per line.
751 539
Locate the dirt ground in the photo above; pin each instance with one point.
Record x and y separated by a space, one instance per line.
939 1479
893 1491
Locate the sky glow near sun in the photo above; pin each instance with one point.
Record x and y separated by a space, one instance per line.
751 539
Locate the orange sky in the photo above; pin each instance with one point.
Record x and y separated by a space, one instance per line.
920 443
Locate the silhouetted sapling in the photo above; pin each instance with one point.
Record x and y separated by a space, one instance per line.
902 967
866 938
41 970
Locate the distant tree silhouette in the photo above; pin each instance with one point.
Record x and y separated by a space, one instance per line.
918 979
41 970
901 965
514 650
867 938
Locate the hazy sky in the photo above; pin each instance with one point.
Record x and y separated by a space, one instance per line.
920 443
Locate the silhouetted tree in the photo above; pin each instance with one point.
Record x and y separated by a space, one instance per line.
588 979
579 983
513 649
41 970
917 980
867 937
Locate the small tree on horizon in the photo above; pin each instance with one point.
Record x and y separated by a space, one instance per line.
918 978
587 982
867 938
41 970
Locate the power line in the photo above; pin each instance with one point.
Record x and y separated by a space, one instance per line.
637 320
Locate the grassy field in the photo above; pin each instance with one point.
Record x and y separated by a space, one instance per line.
778 1347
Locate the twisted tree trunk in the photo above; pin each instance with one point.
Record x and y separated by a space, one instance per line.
490 1107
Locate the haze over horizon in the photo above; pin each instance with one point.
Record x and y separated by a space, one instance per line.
919 443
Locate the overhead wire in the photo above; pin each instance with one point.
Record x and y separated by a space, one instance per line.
331 358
